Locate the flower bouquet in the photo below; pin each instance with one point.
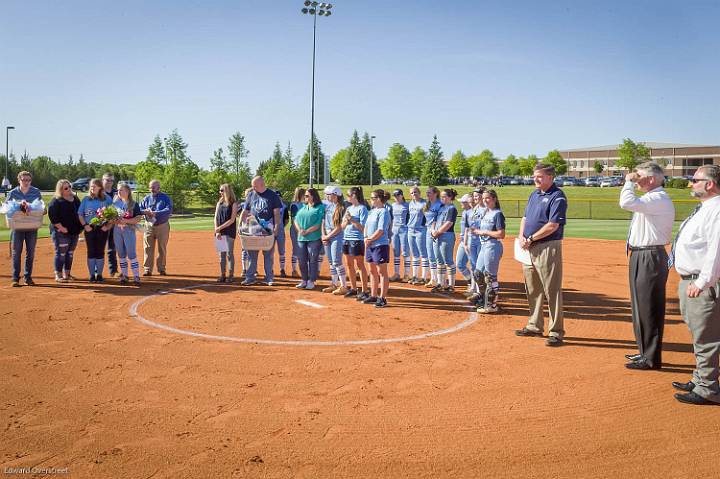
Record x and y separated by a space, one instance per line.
104 215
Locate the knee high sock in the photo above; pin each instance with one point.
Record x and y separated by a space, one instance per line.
135 267
341 275
451 276
441 272
294 263
406 265
396 264
282 262
434 273
415 267
333 274
424 268
123 266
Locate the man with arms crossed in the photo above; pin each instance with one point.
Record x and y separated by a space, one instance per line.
697 261
264 204
541 233
650 230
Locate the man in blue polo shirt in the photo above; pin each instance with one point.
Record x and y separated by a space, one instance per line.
541 233
157 208
263 204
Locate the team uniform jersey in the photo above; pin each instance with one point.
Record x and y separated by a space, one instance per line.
493 220
400 216
446 213
330 208
432 212
378 219
359 214
416 217
89 206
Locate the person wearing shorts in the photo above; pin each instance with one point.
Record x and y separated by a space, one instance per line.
332 239
443 234
353 243
416 237
377 249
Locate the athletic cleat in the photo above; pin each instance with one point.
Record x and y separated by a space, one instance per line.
301 285
370 300
449 289
488 309
430 284
310 285
282 273
395 278
437 289
362 296
381 303
330 289
351 293
341 291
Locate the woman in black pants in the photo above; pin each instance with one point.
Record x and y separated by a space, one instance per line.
65 228
95 235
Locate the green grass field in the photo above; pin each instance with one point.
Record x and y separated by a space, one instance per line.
592 212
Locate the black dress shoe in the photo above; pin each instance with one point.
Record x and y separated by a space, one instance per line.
553 342
633 357
687 387
641 364
527 332
692 398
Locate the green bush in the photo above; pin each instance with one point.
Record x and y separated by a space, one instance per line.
677 183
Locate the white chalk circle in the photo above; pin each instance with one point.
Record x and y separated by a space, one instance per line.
133 310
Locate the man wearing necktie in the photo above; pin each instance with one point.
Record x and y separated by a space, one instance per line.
697 261
650 231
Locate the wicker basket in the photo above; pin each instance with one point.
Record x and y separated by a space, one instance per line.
23 222
257 243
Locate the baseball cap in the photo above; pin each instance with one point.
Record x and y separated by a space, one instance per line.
466 199
398 192
333 190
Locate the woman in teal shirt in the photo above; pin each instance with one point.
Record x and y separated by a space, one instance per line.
308 222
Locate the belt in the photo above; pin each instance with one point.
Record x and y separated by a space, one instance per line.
645 248
689 276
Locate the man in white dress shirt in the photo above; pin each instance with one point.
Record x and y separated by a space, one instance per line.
697 261
650 230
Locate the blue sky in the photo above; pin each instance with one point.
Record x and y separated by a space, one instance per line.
103 78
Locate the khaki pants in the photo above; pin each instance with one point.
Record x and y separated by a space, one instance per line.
702 315
161 234
544 279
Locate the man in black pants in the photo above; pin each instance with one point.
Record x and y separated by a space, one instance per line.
108 182
650 231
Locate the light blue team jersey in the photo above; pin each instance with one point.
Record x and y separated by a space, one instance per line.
492 220
432 212
378 219
416 219
465 220
400 215
89 206
358 213
473 220
328 220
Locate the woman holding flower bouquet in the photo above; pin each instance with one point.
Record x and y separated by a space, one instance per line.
129 215
64 228
96 214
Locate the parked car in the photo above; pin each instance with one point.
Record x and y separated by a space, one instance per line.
610 181
572 181
81 184
592 181
132 185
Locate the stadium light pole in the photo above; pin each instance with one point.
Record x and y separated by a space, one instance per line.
371 160
323 9
7 148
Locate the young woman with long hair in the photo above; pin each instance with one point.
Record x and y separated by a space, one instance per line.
476 296
400 245
332 238
95 235
377 248
463 251
125 228
443 233
491 232
353 243
416 236
65 228
431 210
308 223
296 205
226 211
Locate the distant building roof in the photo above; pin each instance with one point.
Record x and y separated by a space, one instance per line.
649 144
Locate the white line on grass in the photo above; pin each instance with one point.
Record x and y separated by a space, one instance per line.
133 310
309 303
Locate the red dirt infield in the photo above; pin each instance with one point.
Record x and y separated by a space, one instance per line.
88 387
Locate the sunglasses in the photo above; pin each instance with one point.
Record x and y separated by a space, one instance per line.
695 180
25 179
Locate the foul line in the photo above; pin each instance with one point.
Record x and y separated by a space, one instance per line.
309 303
133 310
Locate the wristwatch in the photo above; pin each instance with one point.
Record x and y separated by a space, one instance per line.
530 238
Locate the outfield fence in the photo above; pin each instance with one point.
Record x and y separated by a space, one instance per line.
595 209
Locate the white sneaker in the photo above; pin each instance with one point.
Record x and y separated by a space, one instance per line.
302 285
310 285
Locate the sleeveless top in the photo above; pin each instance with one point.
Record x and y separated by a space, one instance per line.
224 213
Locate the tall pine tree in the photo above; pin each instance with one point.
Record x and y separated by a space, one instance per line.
355 170
434 170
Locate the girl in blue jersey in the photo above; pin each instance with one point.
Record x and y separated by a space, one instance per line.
332 239
377 249
462 255
95 235
443 234
491 232
416 236
431 210
298 202
353 225
477 296
124 234
400 245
